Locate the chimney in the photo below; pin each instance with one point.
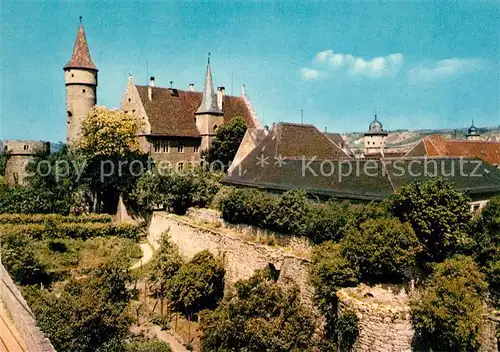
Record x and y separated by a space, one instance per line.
150 87
191 87
243 91
220 96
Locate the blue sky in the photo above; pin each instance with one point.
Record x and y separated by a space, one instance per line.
419 65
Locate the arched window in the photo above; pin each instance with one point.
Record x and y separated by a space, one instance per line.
215 128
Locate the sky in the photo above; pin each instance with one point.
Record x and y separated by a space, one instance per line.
417 65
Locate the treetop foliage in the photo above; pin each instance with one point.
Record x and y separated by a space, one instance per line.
227 140
108 132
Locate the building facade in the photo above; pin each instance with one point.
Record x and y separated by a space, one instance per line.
178 125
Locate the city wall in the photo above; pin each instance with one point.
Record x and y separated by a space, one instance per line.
22 316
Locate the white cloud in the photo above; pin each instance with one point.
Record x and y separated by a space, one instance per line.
309 73
357 66
445 68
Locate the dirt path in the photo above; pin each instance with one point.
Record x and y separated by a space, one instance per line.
163 335
147 255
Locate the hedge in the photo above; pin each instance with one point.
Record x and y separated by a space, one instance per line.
70 229
21 219
291 214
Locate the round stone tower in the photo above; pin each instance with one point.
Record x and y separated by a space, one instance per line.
80 75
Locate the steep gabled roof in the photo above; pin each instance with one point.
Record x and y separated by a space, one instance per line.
437 145
171 112
81 55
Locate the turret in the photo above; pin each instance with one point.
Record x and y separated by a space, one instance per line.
473 133
375 139
209 115
80 76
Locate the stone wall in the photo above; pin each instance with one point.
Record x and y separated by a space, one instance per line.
22 316
384 319
241 257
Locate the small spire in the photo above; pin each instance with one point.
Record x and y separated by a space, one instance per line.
81 55
209 98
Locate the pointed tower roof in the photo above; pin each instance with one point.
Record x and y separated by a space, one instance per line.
81 54
209 98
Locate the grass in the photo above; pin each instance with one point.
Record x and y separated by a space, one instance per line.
68 255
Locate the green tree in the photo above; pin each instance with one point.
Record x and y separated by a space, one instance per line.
259 316
447 315
383 250
291 213
114 160
88 315
227 140
329 272
198 284
329 221
165 265
148 346
439 215
485 230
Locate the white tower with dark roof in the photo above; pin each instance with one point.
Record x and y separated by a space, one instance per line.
208 116
375 139
80 75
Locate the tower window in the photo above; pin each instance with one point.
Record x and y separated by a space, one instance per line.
196 148
215 128
72 75
83 90
70 114
180 148
180 166
26 147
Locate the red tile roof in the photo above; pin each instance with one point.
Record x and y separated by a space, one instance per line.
171 112
81 55
437 145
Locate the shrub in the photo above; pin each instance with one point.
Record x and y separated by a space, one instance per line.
259 316
329 222
199 284
439 215
448 313
383 250
347 329
30 200
19 260
291 213
148 346
329 272
20 219
73 230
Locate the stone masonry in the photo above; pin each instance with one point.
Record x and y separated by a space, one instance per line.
21 152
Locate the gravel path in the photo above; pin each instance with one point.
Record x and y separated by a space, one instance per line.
147 254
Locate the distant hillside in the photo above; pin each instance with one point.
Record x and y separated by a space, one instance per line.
404 139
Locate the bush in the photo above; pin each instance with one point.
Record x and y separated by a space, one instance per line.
30 200
19 259
448 313
199 284
347 329
20 219
329 272
148 346
382 250
259 316
291 213
439 215
50 230
329 222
